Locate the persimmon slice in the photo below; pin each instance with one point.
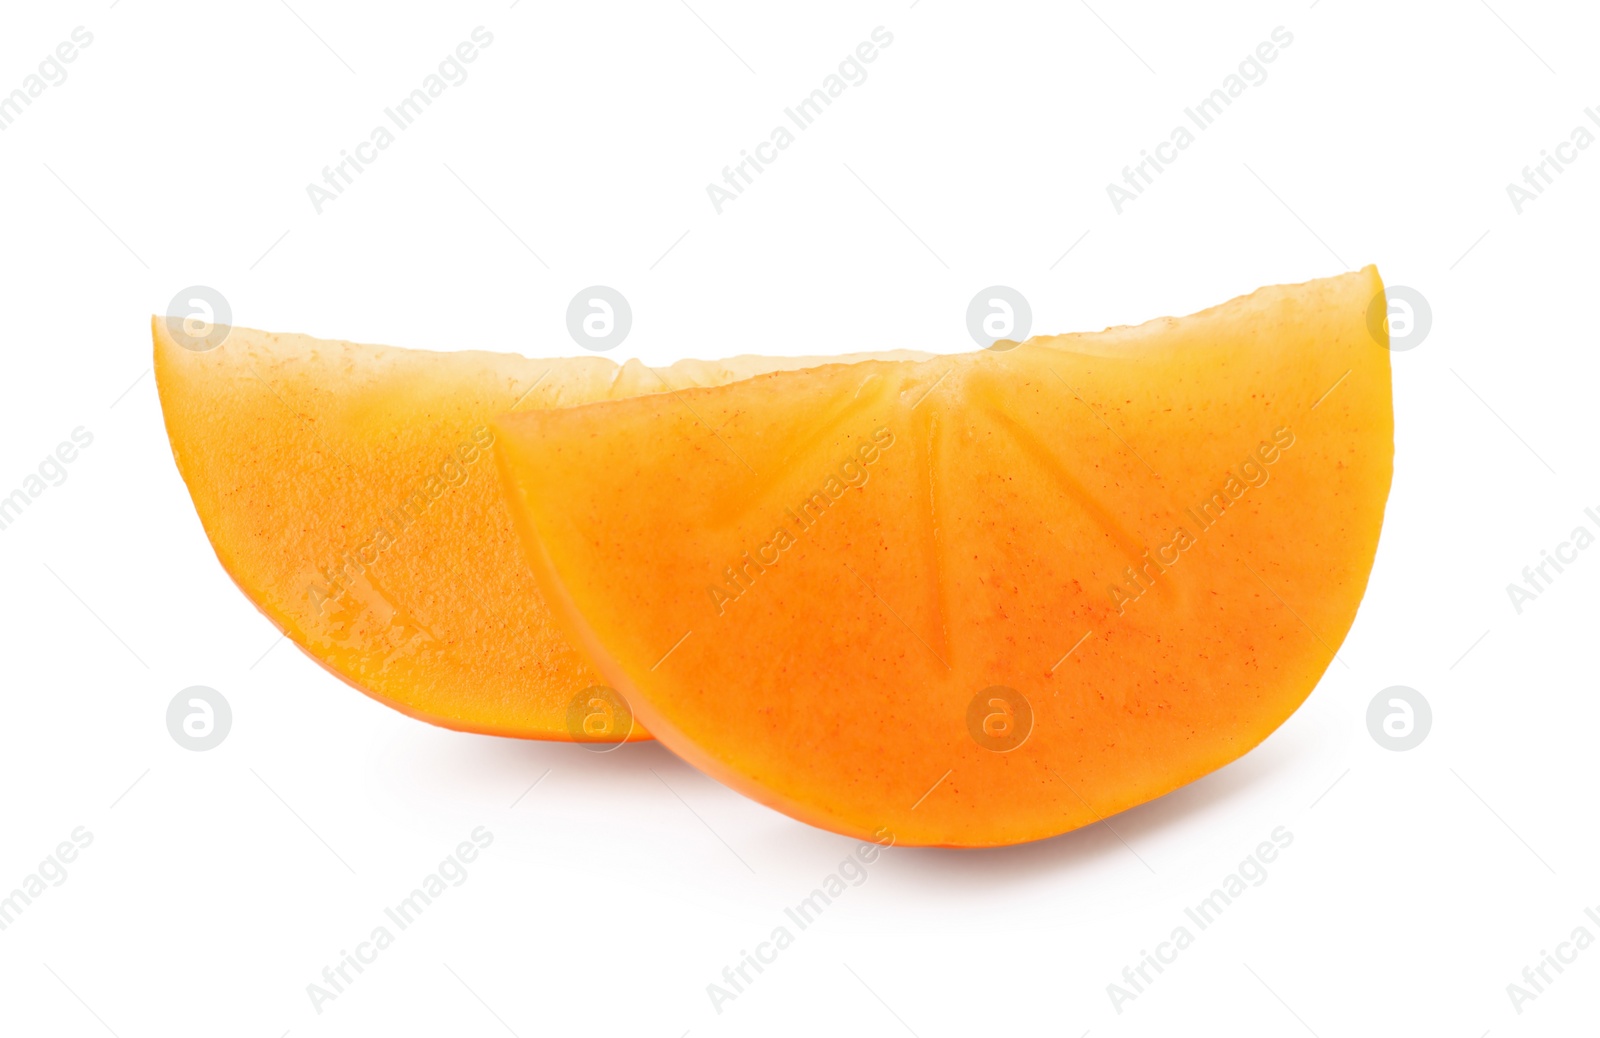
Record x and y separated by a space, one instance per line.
986 598
347 490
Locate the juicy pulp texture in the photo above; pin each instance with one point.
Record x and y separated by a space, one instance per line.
347 490
985 598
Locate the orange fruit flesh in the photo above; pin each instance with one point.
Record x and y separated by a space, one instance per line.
346 490
986 598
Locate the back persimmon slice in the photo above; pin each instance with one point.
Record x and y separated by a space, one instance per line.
346 489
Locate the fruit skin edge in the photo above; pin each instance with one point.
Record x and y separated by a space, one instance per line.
158 331
575 627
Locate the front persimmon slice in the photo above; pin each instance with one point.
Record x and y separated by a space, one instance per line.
986 598
347 491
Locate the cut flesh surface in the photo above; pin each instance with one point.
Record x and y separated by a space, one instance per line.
347 490
978 599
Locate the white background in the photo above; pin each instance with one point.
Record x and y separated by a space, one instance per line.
219 884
